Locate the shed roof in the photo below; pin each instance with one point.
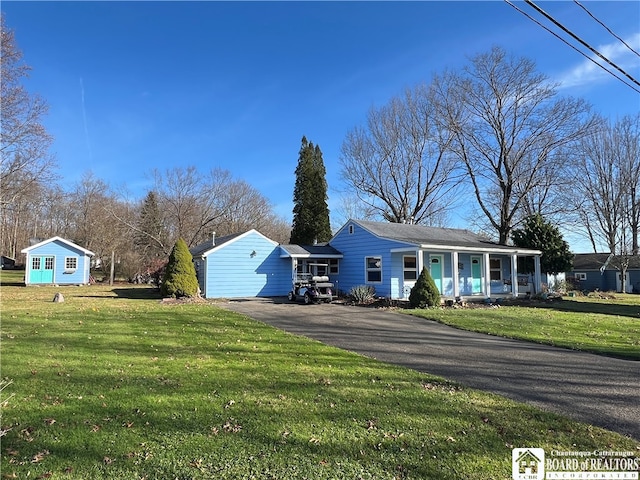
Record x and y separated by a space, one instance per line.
310 251
425 235
59 239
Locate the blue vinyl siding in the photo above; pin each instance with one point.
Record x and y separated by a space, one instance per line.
606 281
356 247
59 251
233 272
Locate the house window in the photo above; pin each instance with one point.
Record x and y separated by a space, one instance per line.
334 266
410 267
48 263
70 263
374 269
495 269
350 229
581 276
35 263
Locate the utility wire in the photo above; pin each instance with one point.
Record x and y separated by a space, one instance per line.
607 28
559 25
572 46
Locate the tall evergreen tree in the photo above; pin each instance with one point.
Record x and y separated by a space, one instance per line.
150 233
310 210
541 235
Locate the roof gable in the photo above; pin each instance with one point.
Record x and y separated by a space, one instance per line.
58 239
208 247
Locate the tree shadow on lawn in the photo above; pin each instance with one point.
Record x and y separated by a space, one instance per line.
138 293
622 310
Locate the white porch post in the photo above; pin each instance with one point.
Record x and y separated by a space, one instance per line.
537 274
487 275
514 275
419 261
456 274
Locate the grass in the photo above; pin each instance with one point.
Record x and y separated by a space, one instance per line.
607 327
115 384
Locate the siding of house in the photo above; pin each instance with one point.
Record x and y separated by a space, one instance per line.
233 271
595 280
356 247
59 251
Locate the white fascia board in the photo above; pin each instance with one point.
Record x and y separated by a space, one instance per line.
60 239
253 230
446 248
311 255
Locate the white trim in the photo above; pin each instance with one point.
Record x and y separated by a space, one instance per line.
444 248
455 274
405 269
496 270
53 239
310 255
367 270
242 235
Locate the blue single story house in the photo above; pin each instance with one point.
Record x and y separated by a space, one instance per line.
601 271
390 256
57 261
241 265
387 256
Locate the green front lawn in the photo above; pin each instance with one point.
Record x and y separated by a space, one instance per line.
607 327
115 384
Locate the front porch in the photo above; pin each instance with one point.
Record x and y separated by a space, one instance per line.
472 275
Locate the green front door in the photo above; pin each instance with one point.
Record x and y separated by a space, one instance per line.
42 269
435 263
476 275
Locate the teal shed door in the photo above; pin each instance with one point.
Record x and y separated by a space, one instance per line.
42 269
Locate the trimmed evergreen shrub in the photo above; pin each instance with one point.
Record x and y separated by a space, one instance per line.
424 293
180 275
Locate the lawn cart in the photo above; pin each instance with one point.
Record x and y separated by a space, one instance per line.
311 288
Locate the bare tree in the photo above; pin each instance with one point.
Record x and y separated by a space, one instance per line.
24 142
25 164
397 164
609 189
511 133
196 204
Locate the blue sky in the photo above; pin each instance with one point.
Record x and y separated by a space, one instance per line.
134 86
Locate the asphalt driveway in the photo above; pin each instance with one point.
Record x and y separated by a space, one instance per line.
591 388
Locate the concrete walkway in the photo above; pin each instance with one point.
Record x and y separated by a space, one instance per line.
591 388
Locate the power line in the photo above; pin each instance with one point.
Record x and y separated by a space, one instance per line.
607 28
574 47
562 27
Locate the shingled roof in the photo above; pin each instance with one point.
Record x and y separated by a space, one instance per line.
595 261
424 235
198 250
318 251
